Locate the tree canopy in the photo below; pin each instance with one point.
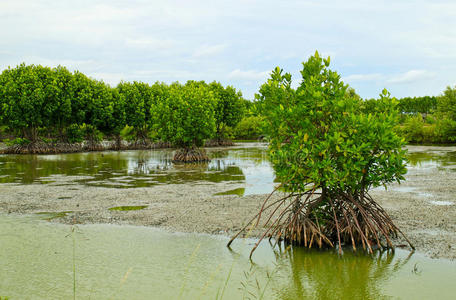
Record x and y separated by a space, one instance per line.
318 136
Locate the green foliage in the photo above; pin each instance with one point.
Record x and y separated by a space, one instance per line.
62 93
95 103
138 99
38 102
320 136
27 101
407 105
128 133
446 103
229 108
436 129
75 133
413 129
16 141
415 105
3 130
445 130
249 128
186 116
91 133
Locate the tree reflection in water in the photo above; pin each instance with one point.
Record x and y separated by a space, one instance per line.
323 274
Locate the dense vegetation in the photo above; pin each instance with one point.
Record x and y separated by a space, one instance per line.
328 152
52 109
45 110
425 119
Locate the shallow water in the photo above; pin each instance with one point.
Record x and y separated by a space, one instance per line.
439 158
246 165
130 169
129 262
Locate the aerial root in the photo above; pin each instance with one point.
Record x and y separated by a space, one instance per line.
41 147
312 219
190 155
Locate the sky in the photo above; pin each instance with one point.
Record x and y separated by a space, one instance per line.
408 47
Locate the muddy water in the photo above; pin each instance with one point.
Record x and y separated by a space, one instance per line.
246 164
129 262
130 169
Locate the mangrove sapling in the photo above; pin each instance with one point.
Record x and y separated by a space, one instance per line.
327 153
185 117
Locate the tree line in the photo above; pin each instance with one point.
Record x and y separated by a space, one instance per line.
425 119
41 106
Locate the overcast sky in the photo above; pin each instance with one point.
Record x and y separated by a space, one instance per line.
409 47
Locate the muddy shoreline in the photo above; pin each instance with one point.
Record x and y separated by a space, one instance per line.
423 207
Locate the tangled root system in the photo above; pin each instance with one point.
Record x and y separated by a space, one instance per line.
190 155
43 148
317 219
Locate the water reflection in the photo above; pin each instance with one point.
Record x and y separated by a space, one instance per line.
162 263
317 274
248 166
433 159
131 169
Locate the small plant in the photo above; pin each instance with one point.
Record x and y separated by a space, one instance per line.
128 133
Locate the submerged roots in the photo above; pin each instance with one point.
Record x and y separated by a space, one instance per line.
188 155
316 219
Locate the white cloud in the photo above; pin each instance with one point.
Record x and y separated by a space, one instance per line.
406 77
110 78
150 43
411 76
248 75
167 74
208 50
233 41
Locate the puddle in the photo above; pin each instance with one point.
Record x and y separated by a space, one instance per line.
239 192
441 202
129 207
408 189
48 216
